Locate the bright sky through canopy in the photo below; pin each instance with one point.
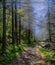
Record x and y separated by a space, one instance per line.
40 9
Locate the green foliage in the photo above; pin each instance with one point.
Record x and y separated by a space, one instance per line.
19 11
12 51
0 0
47 54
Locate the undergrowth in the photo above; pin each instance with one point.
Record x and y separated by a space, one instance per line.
12 51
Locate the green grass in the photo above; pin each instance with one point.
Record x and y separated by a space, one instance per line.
46 53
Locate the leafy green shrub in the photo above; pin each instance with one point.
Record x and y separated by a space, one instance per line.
12 51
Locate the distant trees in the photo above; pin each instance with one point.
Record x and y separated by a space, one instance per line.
28 18
51 24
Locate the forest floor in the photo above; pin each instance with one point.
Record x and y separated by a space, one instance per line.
31 56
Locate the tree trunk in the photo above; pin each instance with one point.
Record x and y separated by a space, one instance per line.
49 23
13 32
19 29
19 23
49 32
16 30
4 27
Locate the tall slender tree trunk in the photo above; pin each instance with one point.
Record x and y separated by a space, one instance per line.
4 26
49 23
29 36
19 29
16 30
13 32
29 26
19 23
49 31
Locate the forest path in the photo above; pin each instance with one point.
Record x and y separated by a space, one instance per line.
31 56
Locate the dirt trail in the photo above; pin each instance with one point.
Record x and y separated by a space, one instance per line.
32 56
